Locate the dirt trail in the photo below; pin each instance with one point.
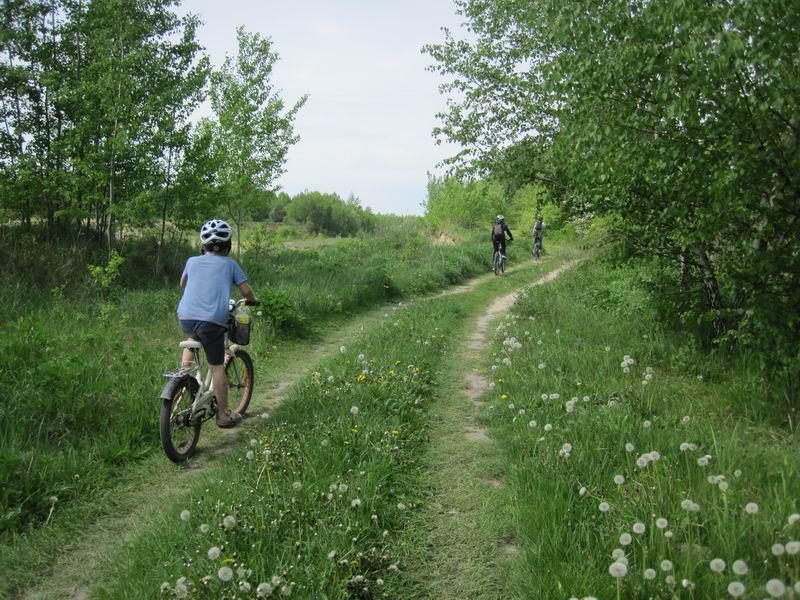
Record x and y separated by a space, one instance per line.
464 525
155 483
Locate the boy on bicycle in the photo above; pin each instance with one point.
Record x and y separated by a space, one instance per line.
499 231
203 309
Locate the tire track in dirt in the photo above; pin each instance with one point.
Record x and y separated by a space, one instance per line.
156 483
464 527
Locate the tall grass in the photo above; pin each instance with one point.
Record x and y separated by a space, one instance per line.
639 466
82 362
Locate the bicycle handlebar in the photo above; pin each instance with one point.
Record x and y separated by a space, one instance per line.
246 302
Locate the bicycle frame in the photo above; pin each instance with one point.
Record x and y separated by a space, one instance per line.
205 390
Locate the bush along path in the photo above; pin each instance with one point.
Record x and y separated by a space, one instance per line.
462 537
635 467
127 542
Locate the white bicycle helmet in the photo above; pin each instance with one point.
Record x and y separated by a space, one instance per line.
500 218
216 230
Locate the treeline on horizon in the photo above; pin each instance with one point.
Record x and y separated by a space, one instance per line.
675 125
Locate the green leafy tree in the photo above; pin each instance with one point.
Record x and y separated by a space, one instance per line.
253 129
678 120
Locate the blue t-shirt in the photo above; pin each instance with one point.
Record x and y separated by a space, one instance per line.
208 288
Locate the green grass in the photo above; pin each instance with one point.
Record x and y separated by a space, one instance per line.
289 518
84 365
565 384
320 493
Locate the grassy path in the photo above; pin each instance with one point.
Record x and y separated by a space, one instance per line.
73 553
67 558
465 526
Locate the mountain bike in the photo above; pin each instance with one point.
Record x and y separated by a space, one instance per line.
499 262
188 398
537 248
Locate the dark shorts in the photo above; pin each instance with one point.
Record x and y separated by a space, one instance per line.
211 335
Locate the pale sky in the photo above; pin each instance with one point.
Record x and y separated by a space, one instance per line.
366 127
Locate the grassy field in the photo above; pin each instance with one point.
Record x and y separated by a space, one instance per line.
313 505
638 466
84 355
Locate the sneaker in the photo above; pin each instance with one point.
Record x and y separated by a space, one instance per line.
231 419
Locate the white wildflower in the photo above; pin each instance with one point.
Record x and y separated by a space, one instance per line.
740 567
736 589
776 588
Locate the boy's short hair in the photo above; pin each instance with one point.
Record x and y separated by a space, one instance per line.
217 247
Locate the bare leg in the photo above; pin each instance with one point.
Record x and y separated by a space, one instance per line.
187 360
220 387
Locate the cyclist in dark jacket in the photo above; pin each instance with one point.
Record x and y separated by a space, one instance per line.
537 233
499 231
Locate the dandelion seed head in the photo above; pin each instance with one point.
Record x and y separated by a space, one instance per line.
185 515
229 522
213 553
548 427
625 539
582 491
661 523
619 479
777 549
793 518
649 573
751 508
342 349
647 424
638 528
618 553
775 588
604 507
204 528
629 447
666 565
250 455
225 573
401 506
668 534
297 486
793 547
717 565
355 503
740 567
618 569
736 589
263 589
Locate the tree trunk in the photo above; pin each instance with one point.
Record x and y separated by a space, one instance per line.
164 209
713 293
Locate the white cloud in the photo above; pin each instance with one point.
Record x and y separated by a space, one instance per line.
366 127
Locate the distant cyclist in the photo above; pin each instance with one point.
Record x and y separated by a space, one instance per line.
537 234
499 231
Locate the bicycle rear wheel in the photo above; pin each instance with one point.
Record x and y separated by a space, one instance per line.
496 263
179 434
240 373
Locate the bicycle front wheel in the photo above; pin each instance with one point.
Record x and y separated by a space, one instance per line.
179 433
240 373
